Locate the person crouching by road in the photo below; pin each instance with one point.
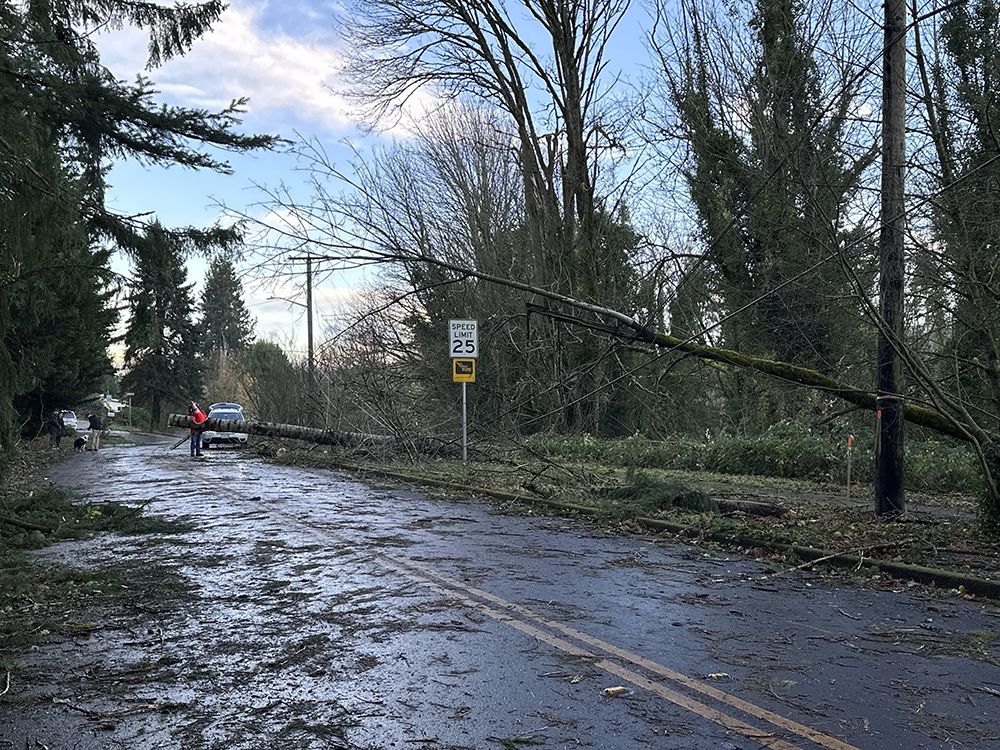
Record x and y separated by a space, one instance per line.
198 417
96 427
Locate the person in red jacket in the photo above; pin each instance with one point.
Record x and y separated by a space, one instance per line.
198 417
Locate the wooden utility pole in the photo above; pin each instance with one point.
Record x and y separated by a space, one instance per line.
311 396
309 325
889 495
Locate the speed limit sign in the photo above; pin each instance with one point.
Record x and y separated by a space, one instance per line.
463 348
463 339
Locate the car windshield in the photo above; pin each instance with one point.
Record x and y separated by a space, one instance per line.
227 415
69 415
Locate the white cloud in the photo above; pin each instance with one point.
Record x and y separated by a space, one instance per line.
240 57
286 322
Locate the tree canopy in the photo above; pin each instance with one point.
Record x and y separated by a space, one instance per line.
64 118
162 354
226 325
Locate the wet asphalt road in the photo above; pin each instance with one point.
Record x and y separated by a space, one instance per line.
326 613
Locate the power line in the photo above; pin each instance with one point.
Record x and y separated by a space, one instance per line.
865 69
811 269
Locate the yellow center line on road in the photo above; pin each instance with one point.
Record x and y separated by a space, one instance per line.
790 725
760 736
452 587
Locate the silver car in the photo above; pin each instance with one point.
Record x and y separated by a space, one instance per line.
211 437
69 420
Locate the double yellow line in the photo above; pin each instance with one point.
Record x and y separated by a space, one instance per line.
771 730
778 732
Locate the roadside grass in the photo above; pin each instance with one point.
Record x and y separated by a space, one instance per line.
116 440
106 439
38 598
788 449
815 514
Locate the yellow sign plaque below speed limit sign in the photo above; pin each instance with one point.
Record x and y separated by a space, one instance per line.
463 371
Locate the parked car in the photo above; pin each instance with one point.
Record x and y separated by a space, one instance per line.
69 419
211 437
227 405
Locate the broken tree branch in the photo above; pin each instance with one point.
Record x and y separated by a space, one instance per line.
27 525
793 373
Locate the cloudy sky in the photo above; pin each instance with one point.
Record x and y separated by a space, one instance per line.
286 57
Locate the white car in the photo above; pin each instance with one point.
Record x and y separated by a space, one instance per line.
224 411
226 406
69 420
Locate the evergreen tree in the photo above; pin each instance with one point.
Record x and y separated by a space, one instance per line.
226 325
273 386
957 279
161 343
54 285
50 71
786 171
61 325
63 118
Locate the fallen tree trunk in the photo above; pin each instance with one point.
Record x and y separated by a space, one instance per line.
985 442
959 425
25 524
426 445
865 399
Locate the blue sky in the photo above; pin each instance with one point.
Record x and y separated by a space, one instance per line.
286 57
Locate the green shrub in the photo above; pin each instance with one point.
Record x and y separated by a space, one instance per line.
643 494
141 418
936 465
788 449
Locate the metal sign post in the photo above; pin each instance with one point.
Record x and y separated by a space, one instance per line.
464 371
850 445
463 346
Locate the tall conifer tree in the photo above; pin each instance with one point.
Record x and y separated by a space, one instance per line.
162 352
63 118
226 325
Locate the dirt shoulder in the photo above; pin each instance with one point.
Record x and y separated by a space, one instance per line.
42 598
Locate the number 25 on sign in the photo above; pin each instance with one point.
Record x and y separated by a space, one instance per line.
463 348
463 339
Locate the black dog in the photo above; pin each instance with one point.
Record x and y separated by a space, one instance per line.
78 444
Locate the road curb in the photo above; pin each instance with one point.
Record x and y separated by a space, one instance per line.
950 579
